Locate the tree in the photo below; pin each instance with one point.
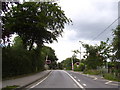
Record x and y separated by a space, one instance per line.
116 50
97 55
60 65
17 43
35 22
6 8
49 54
116 42
67 63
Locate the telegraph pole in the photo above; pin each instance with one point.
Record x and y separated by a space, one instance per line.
80 54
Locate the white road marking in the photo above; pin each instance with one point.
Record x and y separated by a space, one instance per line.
108 82
114 84
74 76
84 84
95 78
41 81
79 80
74 80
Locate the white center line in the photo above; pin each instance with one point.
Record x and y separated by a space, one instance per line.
79 80
95 78
75 80
108 82
84 84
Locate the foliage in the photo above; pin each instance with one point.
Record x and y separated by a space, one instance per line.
18 61
60 66
81 67
35 22
67 63
92 72
97 55
116 50
75 67
10 87
6 8
110 76
50 54
116 42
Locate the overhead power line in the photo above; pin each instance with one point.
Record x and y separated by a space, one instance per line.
106 29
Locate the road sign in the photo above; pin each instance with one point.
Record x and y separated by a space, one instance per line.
77 63
48 61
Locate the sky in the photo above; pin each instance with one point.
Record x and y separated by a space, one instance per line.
90 17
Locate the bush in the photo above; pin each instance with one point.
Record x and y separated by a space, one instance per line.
18 62
81 67
110 76
75 68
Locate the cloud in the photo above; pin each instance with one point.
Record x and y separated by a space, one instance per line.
90 17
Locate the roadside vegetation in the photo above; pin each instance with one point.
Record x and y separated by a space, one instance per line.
34 24
10 87
102 59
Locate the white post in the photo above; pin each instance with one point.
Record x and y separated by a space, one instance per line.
80 54
72 64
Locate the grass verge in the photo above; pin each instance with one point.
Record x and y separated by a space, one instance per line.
92 72
112 77
10 87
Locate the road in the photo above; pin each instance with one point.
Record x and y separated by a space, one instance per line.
68 79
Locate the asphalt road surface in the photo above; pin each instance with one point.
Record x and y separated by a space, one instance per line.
68 79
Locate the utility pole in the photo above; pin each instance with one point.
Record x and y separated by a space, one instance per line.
72 63
80 54
119 13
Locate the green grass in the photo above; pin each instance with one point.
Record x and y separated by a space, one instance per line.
112 77
92 72
10 87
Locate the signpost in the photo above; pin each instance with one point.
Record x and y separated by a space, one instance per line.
77 63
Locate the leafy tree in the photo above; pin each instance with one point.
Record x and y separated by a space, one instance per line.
6 8
116 42
49 54
60 65
116 50
67 63
35 22
97 55
17 43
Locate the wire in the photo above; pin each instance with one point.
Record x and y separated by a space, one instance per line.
106 29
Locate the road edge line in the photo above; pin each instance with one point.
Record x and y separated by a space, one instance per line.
41 81
78 84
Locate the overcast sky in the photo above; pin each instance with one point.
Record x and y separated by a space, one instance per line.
90 17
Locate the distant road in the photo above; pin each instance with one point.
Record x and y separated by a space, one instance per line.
68 79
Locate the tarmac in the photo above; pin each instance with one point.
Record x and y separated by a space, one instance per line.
27 80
